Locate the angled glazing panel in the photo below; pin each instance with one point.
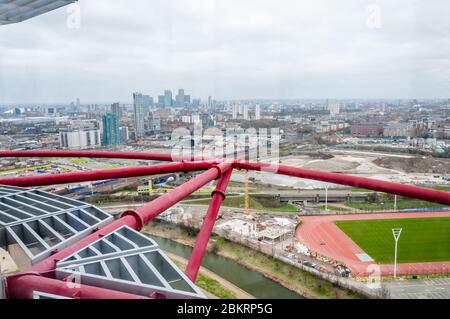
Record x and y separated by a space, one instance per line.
121 241
13 11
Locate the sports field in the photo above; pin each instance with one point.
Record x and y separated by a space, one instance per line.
422 239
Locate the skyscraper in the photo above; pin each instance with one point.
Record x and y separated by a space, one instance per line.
210 102
124 134
155 122
147 102
161 100
138 113
245 112
116 110
257 112
180 98
111 136
235 111
167 98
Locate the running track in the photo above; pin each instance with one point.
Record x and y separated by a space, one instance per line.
320 234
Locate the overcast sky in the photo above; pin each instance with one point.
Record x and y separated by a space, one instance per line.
230 49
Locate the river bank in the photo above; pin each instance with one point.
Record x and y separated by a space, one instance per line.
293 278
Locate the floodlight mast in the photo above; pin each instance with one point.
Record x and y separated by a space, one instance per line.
396 232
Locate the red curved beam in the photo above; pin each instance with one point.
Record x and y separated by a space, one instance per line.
25 285
102 154
147 212
136 219
77 177
431 195
218 196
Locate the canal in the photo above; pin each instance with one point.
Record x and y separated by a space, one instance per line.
248 280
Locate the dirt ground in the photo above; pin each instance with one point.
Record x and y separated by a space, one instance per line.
415 165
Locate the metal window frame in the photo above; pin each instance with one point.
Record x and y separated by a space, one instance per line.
31 226
114 269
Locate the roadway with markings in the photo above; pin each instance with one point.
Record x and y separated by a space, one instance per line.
436 288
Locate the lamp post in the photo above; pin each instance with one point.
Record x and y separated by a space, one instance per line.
396 232
326 198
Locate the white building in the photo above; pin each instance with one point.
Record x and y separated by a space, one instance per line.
235 111
257 112
334 109
80 139
245 112
195 119
186 119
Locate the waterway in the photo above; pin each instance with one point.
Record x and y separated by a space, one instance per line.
248 280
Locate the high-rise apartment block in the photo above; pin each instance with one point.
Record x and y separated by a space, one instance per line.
138 114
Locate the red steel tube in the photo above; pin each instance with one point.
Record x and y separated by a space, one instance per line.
100 154
134 219
147 212
77 177
354 181
218 196
137 219
23 286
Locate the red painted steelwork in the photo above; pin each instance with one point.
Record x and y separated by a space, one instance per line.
431 195
100 154
23 286
78 177
218 196
147 212
136 219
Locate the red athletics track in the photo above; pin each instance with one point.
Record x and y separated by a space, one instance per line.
320 234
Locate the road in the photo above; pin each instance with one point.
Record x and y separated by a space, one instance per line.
437 288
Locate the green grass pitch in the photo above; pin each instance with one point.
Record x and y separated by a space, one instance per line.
422 239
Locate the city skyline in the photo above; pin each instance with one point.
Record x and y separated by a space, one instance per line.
229 50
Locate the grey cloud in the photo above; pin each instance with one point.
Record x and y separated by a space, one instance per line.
229 49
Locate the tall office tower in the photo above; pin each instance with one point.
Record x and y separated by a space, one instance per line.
124 134
138 112
210 102
111 135
246 112
167 98
155 122
161 100
235 111
334 109
147 102
257 112
116 110
78 103
180 98
196 102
